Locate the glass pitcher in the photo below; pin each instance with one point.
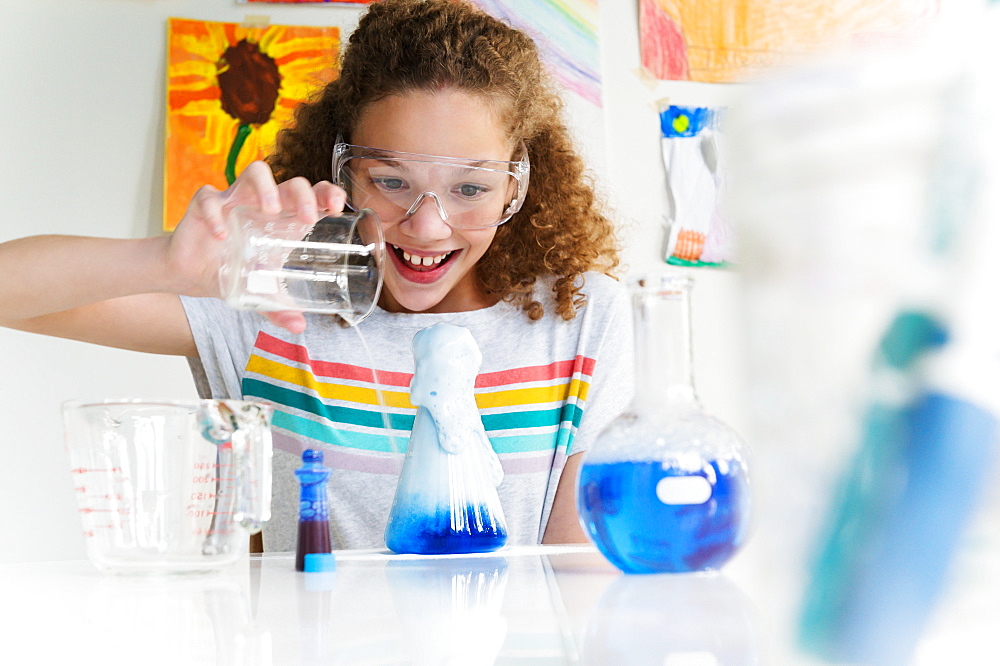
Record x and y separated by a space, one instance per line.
665 486
169 486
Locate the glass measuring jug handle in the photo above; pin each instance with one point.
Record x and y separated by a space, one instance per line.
252 455
242 431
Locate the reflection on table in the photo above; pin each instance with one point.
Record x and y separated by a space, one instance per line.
521 605
537 605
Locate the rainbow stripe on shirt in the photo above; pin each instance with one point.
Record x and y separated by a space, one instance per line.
530 413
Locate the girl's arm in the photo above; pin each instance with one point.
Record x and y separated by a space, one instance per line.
118 293
564 524
124 293
610 392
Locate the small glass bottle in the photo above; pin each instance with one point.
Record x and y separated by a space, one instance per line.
314 515
665 487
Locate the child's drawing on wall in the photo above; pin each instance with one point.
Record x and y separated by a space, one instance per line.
719 41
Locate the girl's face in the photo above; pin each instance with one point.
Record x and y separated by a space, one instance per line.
446 123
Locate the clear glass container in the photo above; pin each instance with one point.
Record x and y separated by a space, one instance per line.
332 266
665 487
169 486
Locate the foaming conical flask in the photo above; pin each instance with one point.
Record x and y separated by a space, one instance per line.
665 487
446 499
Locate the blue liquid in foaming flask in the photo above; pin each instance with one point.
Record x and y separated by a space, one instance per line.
443 530
651 517
446 499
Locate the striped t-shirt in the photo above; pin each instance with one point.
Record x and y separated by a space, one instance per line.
544 391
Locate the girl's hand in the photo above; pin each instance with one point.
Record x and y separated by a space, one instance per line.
196 246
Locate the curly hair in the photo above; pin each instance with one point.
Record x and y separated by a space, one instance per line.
401 46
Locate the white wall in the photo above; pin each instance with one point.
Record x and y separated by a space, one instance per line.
81 117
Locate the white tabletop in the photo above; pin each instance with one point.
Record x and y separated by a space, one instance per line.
522 605
537 605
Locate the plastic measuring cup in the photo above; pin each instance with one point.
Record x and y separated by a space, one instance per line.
169 486
278 262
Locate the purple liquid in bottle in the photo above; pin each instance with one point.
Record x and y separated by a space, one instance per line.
314 516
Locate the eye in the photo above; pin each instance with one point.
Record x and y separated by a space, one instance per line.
389 184
471 190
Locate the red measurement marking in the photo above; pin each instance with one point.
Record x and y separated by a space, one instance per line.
206 514
81 489
90 510
92 532
119 498
83 470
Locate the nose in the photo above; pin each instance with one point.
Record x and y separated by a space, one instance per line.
426 218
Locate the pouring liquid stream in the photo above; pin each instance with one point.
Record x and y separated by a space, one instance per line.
379 391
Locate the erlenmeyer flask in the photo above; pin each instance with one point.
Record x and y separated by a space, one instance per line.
665 486
446 499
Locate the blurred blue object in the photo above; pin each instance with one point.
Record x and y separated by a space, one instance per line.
900 513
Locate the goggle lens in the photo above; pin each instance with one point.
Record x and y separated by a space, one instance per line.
468 194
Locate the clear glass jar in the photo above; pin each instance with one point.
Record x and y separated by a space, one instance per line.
665 487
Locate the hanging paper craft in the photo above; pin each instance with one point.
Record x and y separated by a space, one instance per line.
697 233
719 41
230 88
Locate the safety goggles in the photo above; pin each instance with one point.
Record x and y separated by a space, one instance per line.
468 194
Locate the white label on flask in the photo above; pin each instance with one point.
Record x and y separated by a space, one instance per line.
683 490
261 284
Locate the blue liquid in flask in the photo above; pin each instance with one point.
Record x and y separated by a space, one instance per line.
623 508
433 532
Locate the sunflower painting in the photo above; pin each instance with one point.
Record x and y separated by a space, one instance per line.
230 88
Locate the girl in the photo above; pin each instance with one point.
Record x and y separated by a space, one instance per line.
525 269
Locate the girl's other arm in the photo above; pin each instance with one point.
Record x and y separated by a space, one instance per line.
564 524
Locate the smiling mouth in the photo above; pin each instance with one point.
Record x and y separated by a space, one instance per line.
422 263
